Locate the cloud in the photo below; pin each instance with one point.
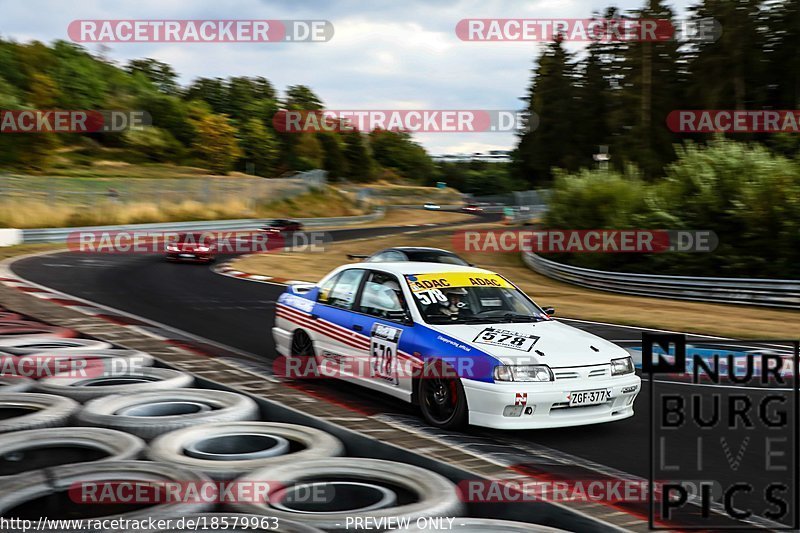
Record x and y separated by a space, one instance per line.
384 54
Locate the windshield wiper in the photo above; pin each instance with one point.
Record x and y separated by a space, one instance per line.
516 316
443 319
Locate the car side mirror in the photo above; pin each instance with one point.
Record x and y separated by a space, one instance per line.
400 316
549 310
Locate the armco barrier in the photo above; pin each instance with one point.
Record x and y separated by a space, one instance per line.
764 292
60 234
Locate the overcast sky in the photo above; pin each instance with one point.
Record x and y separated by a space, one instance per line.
385 54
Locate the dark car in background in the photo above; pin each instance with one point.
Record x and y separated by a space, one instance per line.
281 225
196 247
420 254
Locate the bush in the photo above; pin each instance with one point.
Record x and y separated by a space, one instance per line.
744 193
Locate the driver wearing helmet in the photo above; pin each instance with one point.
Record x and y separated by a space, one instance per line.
394 289
454 306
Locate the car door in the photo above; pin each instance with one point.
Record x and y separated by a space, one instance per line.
383 317
335 339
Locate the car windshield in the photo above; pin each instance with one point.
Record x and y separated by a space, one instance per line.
471 298
430 256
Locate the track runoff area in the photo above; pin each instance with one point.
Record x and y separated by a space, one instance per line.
713 443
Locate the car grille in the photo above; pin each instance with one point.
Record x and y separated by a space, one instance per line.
566 374
596 371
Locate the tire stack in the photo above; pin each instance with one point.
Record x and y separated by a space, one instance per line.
123 421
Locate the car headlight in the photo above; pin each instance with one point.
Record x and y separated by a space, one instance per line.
202 248
623 365
172 248
523 373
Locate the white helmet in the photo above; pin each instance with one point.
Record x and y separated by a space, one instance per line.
461 291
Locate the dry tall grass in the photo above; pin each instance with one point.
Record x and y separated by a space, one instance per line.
37 214
22 213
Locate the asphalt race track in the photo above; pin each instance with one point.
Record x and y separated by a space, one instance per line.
239 314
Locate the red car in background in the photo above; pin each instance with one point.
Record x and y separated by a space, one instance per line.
282 226
472 208
192 247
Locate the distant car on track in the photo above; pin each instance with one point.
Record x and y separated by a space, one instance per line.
472 208
463 343
431 206
412 253
281 225
195 247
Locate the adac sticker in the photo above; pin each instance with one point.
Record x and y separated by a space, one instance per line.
425 282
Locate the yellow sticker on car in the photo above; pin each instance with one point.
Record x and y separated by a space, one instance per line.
443 280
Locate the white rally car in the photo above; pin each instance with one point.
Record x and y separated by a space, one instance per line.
463 343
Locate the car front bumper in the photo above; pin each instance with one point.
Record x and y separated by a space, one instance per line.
283 340
197 257
546 405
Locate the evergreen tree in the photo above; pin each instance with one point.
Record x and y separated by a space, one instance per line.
551 99
359 162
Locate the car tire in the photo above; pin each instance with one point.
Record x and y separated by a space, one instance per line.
206 521
58 484
15 383
30 344
212 448
83 389
34 411
441 397
23 451
302 349
148 416
484 525
426 493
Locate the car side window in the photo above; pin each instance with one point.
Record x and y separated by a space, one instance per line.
391 255
382 297
323 296
343 293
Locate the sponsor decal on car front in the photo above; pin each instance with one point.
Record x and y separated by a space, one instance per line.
506 339
521 398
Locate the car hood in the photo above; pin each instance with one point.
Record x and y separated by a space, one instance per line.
558 345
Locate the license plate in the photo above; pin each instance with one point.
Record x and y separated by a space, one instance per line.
187 255
588 397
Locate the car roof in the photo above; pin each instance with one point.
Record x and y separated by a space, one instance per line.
415 267
417 249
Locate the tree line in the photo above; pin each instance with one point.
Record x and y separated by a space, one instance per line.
214 123
619 94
